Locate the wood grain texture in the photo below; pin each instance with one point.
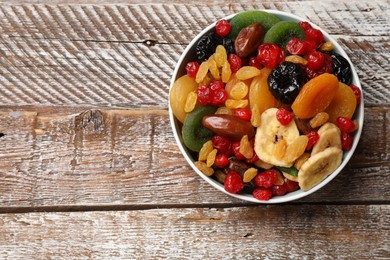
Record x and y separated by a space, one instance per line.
273 232
124 55
94 157
89 168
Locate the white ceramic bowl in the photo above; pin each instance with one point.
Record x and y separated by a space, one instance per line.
180 70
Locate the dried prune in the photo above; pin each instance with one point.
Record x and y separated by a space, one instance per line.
205 47
342 68
208 43
285 81
229 45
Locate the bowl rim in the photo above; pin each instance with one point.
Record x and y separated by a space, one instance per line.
292 196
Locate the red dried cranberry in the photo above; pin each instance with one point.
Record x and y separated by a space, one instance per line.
217 92
270 55
216 84
222 144
243 113
192 68
233 182
291 185
278 190
345 124
346 141
254 158
305 25
314 35
235 62
296 46
315 60
255 63
262 194
221 161
236 151
284 116
266 179
313 138
204 95
310 45
326 68
218 97
357 92
222 28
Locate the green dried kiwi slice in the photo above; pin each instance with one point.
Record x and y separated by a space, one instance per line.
282 32
246 18
193 132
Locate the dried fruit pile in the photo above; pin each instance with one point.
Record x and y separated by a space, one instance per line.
267 106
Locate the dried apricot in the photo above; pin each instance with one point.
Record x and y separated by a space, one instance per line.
315 96
178 95
259 94
343 104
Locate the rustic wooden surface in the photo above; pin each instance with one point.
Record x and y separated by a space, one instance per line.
89 167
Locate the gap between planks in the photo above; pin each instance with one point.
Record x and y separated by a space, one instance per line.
101 208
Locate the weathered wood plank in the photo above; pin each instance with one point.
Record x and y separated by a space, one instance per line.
273 232
112 157
124 55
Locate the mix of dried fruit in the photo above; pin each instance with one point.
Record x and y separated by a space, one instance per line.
267 107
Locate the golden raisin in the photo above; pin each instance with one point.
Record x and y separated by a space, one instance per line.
239 91
191 99
205 150
246 148
202 71
249 174
247 72
203 168
232 103
319 119
326 46
220 55
226 72
214 69
211 158
296 59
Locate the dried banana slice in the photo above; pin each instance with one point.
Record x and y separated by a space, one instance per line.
330 136
318 167
273 139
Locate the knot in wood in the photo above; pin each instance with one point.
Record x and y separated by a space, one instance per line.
90 120
150 42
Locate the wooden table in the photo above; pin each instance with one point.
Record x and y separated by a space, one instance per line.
89 167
